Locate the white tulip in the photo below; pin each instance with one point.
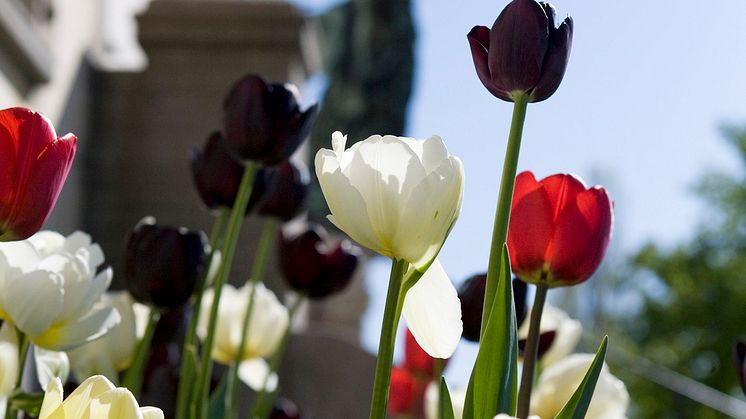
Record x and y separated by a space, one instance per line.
397 196
95 397
8 364
559 381
113 352
49 289
269 319
50 365
567 333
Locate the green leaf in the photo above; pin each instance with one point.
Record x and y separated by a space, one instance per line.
28 402
494 381
445 407
578 403
216 406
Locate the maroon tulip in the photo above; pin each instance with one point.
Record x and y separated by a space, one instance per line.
559 229
163 264
286 186
216 174
34 164
313 266
524 53
741 364
471 294
263 122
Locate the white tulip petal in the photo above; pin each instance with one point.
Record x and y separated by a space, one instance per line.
431 151
433 313
67 336
52 398
20 254
33 301
149 412
254 373
8 359
567 333
114 404
50 365
47 242
81 293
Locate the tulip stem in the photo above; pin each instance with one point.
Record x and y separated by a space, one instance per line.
228 250
133 377
391 314
529 355
189 350
23 348
257 274
504 201
264 400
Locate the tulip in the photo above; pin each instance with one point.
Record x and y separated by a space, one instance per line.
285 191
163 264
396 196
559 381
315 267
471 294
215 173
263 122
8 364
269 319
419 362
50 365
50 291
113 352
97 398
565 334
524 53
741 364
406 393
34 164
559 229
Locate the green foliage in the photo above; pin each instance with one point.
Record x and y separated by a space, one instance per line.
577 406
694 300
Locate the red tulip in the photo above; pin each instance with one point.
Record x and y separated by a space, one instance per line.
417 361
559 229
34 164
406 393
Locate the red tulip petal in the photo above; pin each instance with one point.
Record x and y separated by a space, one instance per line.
581 236
530 228
561 190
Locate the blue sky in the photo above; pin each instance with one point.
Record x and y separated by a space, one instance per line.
646 90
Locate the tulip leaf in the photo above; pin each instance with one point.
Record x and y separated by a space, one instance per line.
27 402
445 407
581 399
494 380
216 405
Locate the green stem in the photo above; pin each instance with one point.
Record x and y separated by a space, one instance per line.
189 350
529 355
133 377
257 273
265 400
228 250
391 313
504 201
23 348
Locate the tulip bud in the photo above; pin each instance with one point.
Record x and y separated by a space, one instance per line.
524 53
741 364
263 122
285 191
313 266
163 264
216 174
559 229
34 164
471 294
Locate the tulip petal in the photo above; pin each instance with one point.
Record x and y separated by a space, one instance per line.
50 365
431 152
8 359
555 62
255 372
34 300
531 224
149 412
479 42
348 208
66 336
115 403
52 399
77 403
433 312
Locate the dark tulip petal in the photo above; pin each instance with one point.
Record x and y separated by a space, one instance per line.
741 364
216 174
247 119
339 269
551 14
479 42
520 293
555 62
262 179
284 409
518 43
545 343
286 191
471 294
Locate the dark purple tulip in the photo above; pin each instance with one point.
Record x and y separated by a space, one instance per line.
216 174
313 266
263 122
524 52
286 188
471 294
163 264
546 339
285 409
741 364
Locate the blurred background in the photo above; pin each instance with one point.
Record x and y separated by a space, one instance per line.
652 107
